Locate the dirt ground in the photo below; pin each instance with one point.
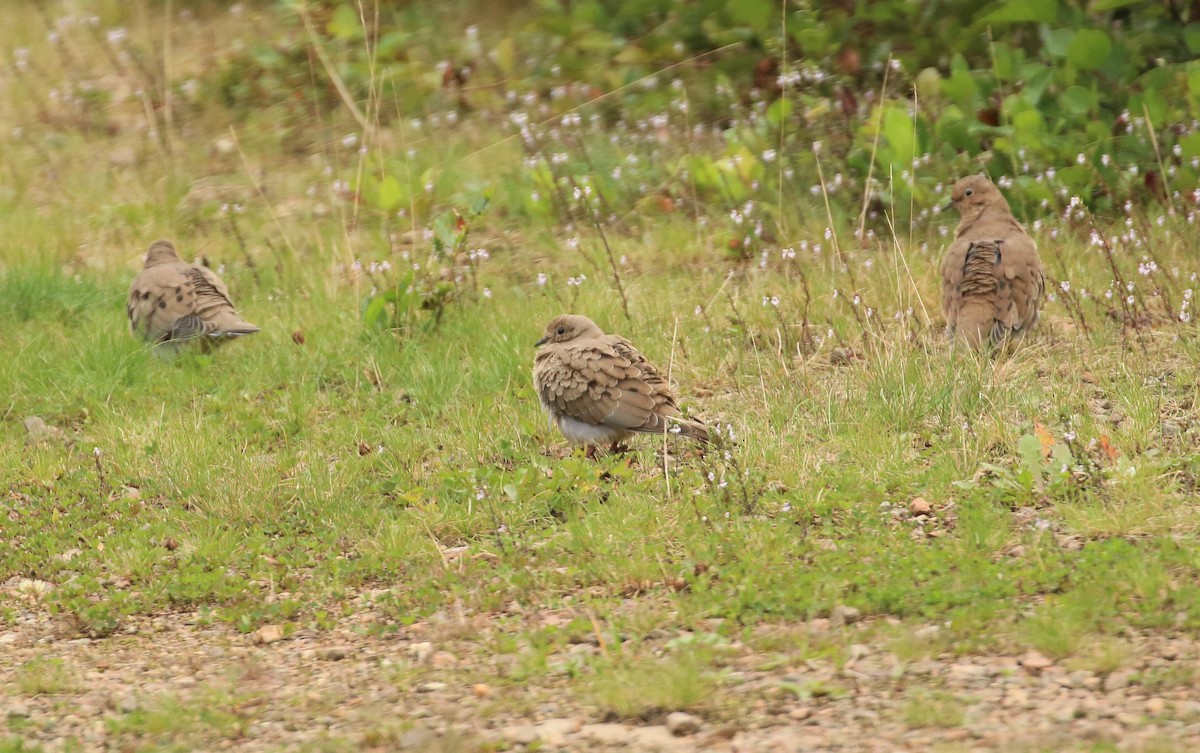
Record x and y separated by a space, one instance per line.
185 682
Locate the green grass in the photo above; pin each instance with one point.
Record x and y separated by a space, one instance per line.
47 676
934 709
355 457
647 690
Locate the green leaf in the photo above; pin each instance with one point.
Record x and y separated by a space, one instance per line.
1059 41
898 130
373 315
389 193
1155 107
1030 450
1190 144
1191 37
779 111
1078 100
1089 49
1101 5
1036 77
961 88
344 24
504 55
757 14
445 230
1023 11
1028 121
1004 63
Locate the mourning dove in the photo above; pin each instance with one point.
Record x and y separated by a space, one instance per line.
173 301
598 388
992 280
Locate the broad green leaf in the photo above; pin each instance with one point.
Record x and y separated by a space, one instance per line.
1004 63
632 55
1155 107
1191 37
1089 49
1030 450
389 193
898 130
344 24
757 14
1059 41
1077 100
373 315
1021 11
1037 77
928 84
504 55
779 111
1028 121
1190 144
961 88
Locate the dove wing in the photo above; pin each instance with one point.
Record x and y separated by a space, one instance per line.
180 301
603 384
1021 285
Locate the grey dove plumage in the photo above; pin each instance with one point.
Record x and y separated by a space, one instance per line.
171 301
992 279
598 389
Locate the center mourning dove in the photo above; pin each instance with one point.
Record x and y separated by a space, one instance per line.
992 280
598 388
173 301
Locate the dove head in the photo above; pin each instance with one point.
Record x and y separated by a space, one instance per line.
568 327
161 252
973 194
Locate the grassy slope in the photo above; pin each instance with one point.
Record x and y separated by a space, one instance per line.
274 480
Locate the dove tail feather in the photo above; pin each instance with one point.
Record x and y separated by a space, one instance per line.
977 316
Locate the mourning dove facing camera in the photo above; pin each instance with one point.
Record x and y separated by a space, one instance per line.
173 301
598 388
992 280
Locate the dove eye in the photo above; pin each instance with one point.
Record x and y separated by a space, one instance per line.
969 191
561 331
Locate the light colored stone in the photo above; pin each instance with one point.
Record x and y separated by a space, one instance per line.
1035 661
520 734
680 723
843 615
556 732
421 652
334 653
1118 680
920 506
268 634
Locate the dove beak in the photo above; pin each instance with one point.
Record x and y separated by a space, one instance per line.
543 341
948 207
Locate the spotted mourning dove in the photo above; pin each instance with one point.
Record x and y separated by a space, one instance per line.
992 280
598 388
173 301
